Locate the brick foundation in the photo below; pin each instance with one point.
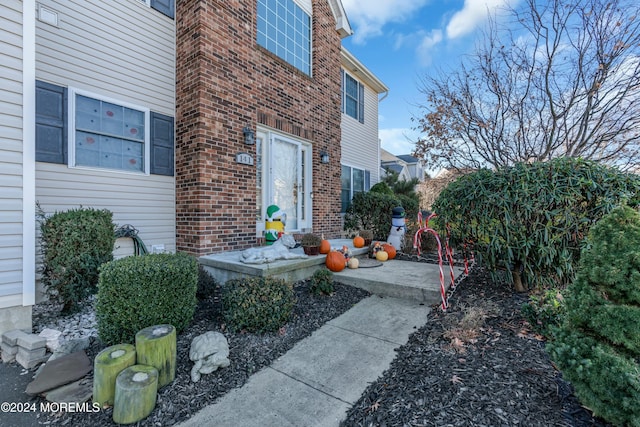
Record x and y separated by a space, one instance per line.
224 82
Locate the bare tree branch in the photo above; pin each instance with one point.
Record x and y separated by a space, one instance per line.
559 79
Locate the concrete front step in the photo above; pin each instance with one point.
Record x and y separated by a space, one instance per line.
412 281
227 265
416 281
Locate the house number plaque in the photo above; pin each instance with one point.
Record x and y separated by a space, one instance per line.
244 159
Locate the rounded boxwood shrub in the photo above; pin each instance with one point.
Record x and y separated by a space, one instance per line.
141 291
75 243
597 347
257 304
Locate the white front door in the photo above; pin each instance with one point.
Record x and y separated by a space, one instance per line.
286 179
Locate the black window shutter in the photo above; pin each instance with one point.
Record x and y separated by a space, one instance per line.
161 144
367 180
361 102
51 123
166 7
342 87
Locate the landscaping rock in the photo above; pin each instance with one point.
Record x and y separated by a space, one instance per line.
69 347
59 372
53 338
75 392
209 351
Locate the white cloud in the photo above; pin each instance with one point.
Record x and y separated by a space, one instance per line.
398 141
427 45
473 15
368 17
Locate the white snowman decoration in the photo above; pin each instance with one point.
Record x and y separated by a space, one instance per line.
398 228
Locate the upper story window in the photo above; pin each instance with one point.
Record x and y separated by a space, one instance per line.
352 97
284 28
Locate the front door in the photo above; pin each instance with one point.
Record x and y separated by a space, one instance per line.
286 176
286 182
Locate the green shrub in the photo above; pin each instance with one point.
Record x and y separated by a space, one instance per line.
206 284
257 304
75 244
545 311
141 291
322 282
383 188
531 219
371 211
597 347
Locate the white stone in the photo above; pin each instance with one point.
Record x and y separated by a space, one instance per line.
53 338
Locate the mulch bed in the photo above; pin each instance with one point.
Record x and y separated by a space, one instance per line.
478 364
248 354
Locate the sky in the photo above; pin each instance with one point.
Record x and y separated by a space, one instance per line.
402 41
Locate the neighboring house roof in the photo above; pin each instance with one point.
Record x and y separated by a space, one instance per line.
408 158
386 156
351 64
394 167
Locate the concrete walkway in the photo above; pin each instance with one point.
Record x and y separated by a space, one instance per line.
322 376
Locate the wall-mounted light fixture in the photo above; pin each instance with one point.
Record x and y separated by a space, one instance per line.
324 156
249 136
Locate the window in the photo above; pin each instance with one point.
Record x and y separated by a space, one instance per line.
166 7
353 181
352 97
108 135
81 129
284 29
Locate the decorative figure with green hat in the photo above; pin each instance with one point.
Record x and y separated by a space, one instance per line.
274 224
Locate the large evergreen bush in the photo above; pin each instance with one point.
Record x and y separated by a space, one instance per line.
597 348
531 219
75 243
141 291
371 211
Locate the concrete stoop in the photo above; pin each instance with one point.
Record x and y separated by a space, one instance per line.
401 279
413 281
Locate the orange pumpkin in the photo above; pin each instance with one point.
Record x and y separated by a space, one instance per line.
335 261
390 249
358 242
325 247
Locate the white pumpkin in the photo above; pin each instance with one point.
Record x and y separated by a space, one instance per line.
353 263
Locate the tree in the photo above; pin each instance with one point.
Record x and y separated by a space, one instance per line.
559 79
597 347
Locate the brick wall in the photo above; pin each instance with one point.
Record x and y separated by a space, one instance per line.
224 82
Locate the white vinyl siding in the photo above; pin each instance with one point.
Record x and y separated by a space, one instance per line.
122 50
148 204
11 153
360 140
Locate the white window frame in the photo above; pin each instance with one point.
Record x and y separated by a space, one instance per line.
364 182
357 117
72 92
